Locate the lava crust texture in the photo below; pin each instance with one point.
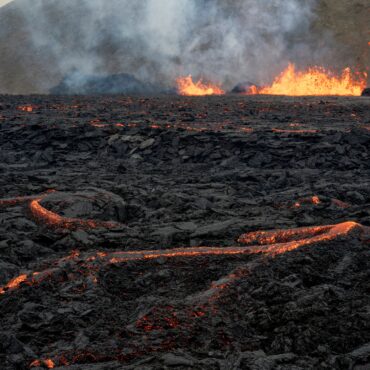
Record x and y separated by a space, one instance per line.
189 233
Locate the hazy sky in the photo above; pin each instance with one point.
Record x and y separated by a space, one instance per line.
3 2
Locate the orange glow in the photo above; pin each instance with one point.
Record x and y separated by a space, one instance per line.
49 218
13 284
282 241
266 242
26 108
313 81
186 87
48 363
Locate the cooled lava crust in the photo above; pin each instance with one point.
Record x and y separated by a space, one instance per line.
119 216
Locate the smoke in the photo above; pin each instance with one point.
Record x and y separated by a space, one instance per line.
159 40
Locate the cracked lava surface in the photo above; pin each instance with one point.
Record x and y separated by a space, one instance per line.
213 233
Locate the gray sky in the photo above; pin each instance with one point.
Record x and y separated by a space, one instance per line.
3 2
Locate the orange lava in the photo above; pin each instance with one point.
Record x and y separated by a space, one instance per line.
48 363
267 242
186 87
282 241
315 200
52 219
313 81
26 108
14 284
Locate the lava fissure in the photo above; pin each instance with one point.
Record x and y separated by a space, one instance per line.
268 242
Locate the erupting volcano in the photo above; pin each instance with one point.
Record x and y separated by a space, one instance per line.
152 223
314 81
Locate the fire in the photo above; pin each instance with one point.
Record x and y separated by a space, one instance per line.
314 81
187 87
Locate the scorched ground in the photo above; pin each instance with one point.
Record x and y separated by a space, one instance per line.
189 233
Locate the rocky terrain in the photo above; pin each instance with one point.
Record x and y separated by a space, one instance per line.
128 233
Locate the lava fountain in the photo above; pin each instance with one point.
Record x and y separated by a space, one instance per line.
313 81
187 87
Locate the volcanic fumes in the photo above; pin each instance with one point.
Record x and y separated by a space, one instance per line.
144 48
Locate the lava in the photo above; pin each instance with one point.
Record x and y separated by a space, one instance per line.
290 131
282 241
313 81
265 242
26 108
48 363
315 200
14 283
187 87
49 218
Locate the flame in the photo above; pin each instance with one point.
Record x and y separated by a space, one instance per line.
187 87
314 81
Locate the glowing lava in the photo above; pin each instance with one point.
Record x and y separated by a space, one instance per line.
46 217
266 242
186 87
48 363
313 81
26 108
282 241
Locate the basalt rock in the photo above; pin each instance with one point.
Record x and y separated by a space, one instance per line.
243 88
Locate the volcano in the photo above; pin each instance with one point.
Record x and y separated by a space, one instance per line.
152 217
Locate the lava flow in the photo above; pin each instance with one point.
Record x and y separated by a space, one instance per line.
266 242
46 217
314 81
187 87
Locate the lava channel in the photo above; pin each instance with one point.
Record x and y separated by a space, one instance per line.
265 242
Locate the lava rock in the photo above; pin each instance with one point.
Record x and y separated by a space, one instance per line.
243 88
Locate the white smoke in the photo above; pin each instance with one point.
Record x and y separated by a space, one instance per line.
158 40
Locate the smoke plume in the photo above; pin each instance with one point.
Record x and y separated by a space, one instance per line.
159 40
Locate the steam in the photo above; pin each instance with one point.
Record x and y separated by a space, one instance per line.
159 40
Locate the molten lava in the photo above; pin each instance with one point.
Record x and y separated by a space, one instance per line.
52 219
186 87
313 81
282 241
48 363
